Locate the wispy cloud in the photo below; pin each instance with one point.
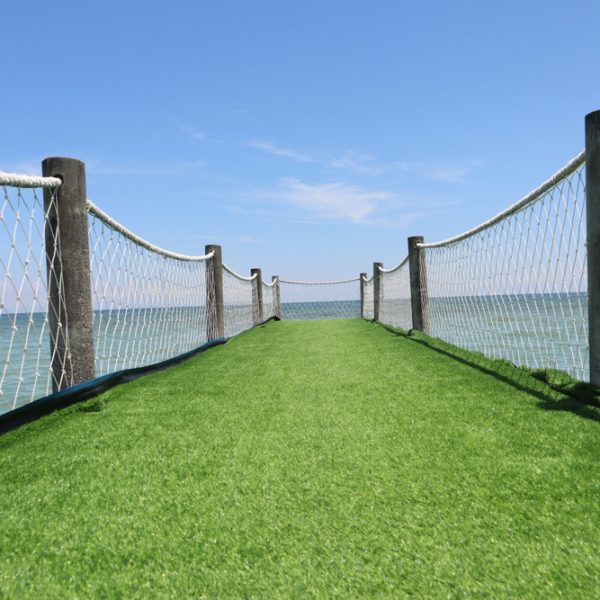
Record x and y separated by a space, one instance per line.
360 163
357 162
331 201
189 132
366 164
271 148
245 239
23 167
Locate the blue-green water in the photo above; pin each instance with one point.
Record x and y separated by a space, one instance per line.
534 330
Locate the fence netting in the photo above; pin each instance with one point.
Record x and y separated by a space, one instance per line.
368 307
301 300
268 300
238 297
26 370
149 305
394 305
516 287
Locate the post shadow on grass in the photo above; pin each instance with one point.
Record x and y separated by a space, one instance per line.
555 390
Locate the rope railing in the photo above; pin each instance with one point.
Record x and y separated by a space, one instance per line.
301 300
111 223
368 297
144 304
34 355
237 275
82 295
17 180
515 287
238 302
395 297
149 304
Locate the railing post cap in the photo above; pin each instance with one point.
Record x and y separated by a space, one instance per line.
592 117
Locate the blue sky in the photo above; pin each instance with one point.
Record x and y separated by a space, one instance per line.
308 138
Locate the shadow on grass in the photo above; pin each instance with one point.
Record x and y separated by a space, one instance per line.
554 389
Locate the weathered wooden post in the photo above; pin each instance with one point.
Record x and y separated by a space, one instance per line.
418 284
215 321
276 296
70 314
592 178
376 289
362 278
257 297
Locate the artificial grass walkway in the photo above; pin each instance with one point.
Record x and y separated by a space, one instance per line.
306 459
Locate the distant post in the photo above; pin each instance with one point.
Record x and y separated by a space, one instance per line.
70 312
215 322
257 297
376 289
276 296
362 278
592 178
418 284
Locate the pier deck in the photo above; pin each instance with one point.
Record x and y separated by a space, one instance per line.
308 459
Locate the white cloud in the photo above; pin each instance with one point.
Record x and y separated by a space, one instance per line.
26 167
331 201
357 162
278 151
189 132
366 164
245 239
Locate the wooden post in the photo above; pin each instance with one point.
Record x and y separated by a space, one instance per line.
418 284
257 297
592 178
276 296
215 322
70 313
362 278
376 289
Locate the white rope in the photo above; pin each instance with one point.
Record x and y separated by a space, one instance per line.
272 282
27 366
367 279
517 290
232 272
382 270
318 282
240 302
116 226
567 170
28 181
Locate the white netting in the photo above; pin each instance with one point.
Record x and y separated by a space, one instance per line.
368 308
516 287
237 302
302 300
149 305
394 305
268 299
26 364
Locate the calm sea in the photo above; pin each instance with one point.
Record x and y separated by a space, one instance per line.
538 331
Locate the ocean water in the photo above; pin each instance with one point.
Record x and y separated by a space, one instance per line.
540 331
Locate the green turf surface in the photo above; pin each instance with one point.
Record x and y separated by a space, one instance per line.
308 459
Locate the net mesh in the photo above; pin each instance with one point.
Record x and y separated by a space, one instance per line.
26 371
395 304
237 303
518 289
327 300
147 307
268 298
